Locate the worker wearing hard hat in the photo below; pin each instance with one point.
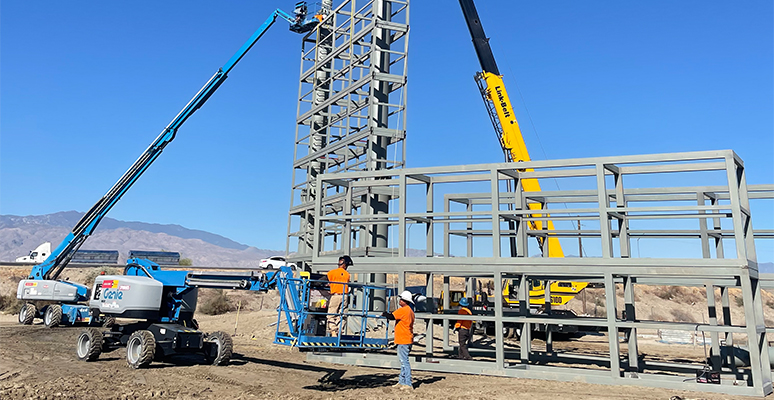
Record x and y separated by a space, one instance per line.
404 336
463 329
337 305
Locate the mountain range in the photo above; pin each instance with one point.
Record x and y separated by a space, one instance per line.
20 234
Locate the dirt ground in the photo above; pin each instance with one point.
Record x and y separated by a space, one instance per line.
40 363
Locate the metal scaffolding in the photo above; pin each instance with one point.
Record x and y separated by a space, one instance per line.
465 210
351 110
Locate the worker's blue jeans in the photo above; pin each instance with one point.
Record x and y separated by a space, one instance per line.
405 366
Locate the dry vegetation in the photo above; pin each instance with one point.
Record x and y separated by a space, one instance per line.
216 304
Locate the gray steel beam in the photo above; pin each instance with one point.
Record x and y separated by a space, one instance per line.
649 213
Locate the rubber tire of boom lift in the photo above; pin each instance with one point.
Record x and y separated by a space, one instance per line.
53 316
140 349
27 314
225 347
89 345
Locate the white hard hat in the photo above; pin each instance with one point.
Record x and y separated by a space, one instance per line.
406 296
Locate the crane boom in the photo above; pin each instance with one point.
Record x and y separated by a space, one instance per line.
53 266
500 110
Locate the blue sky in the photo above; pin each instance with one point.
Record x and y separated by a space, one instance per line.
86 86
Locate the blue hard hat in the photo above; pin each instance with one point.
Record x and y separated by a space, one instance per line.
464 302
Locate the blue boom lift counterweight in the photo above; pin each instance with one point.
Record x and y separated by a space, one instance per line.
42 283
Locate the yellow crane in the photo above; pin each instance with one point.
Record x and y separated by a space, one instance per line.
500 110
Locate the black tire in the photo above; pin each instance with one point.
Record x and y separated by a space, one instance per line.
479 328
490 330
108 322
27 314
53 316
89 345
224 345
270 266
140 349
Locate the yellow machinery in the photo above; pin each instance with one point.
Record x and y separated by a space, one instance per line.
498 105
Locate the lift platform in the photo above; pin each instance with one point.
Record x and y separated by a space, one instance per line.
303 315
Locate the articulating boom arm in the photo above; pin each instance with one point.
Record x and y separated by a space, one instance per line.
59 258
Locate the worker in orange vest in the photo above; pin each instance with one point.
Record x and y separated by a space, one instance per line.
404 337
463 329
337 305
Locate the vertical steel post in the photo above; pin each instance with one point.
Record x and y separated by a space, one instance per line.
525 346
712 311
499 347
630 333
604 217
445 305
429 322
612 326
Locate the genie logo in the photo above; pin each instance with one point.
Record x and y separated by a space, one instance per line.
112 295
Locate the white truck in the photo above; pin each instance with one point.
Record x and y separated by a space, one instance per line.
38 255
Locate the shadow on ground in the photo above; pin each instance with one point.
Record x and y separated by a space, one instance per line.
335 381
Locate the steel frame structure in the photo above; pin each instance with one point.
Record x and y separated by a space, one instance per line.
351 108
623 199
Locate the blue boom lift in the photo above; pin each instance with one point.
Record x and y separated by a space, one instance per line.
164 301
43 283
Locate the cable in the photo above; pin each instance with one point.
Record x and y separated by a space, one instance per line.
540 143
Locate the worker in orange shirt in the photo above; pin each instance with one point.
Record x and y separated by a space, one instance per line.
404 337
337 305
463 329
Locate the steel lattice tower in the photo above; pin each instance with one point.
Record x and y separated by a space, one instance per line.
350 117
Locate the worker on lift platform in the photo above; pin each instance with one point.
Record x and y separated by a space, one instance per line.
337 305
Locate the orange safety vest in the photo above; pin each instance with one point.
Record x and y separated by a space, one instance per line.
463 324
338 275
404 326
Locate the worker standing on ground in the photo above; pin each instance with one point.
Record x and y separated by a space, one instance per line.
404 337
464 329
338 304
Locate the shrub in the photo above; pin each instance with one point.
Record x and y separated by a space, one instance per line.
90 277
682 315
670 293
739 300
10 303
185 262
217 304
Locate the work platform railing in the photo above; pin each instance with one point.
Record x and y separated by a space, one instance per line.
691 212
304 316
